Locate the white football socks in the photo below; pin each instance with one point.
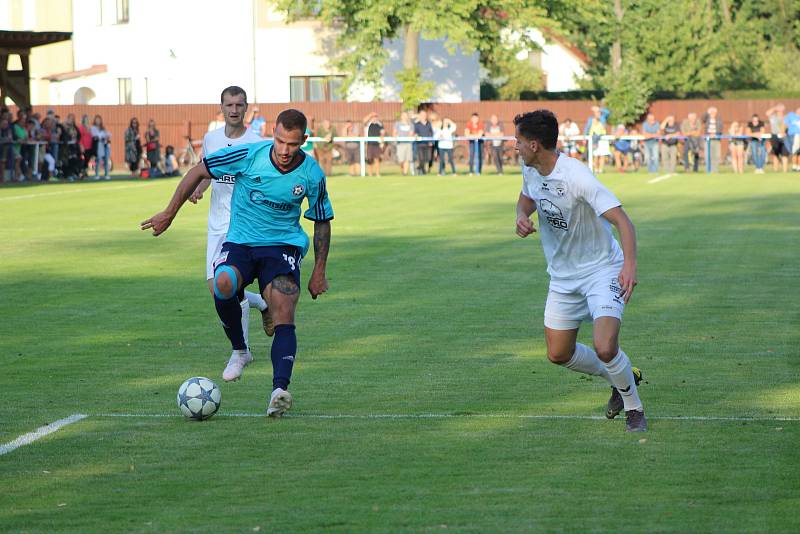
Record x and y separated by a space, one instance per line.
245 321
621 376
586 361
255 300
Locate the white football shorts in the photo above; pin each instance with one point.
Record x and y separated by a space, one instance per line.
213 249
570 302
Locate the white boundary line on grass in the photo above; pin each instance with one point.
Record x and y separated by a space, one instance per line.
471 415
660 178
40 432
80 190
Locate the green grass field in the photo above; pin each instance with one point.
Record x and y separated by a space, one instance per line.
434 316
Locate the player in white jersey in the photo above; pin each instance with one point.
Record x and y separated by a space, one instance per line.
233 108
591 277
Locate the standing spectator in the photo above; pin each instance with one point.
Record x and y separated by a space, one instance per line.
20 147
153 147
755 129
568 130
72 149
102 147
496 132
423 131
780 151
712 128
86 145
257 123
598 115
736 147
323 150
474 132
444 138
792 121
651 129
600 147
404 128
6 146
436 122
374 128
308 146
352 149
133 146
217 123
622 147
692 129
46 135
669 145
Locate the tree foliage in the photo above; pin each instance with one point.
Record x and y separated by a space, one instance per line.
363 26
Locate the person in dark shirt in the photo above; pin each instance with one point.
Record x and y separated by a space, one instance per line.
423 129
755 128
374 128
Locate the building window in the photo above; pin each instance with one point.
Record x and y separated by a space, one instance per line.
124 90
315 88
122 11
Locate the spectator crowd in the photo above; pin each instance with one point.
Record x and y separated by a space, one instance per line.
36 147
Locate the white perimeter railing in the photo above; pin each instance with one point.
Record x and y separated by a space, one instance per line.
362 143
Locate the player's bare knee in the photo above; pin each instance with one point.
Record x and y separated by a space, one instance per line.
607 352
558 357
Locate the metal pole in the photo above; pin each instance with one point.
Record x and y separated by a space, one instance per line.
362 151
590 151
708 154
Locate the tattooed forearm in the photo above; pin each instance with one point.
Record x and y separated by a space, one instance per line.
322 241
286 285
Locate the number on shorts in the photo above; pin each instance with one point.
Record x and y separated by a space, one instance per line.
290 259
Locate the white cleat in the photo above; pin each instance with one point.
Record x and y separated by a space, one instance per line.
279 402
239 360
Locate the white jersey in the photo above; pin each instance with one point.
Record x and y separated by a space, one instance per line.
576 240
219 212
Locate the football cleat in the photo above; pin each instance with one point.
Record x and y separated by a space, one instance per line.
238 361
615 404
279 402
635 421
266 322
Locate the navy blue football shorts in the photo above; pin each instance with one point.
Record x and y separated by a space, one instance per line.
261 263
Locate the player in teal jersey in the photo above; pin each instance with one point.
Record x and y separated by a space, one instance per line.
265 240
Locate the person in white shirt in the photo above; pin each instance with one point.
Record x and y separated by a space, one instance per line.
233 108
444 138
591 277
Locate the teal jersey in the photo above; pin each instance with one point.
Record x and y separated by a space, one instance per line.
266 202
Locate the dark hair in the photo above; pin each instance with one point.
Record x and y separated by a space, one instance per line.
540 125
233 90
292 119
170 150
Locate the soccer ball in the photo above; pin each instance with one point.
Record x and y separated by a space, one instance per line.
199 398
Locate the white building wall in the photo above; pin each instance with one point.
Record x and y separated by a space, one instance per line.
560 65
186 51
175 51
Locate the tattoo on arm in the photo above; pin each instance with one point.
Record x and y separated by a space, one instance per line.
286 285
322 241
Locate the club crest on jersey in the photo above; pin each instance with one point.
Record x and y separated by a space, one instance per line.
298 190
556 189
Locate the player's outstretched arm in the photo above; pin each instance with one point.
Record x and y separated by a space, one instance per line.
627 237
161 220
199 190
525 208
318 284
